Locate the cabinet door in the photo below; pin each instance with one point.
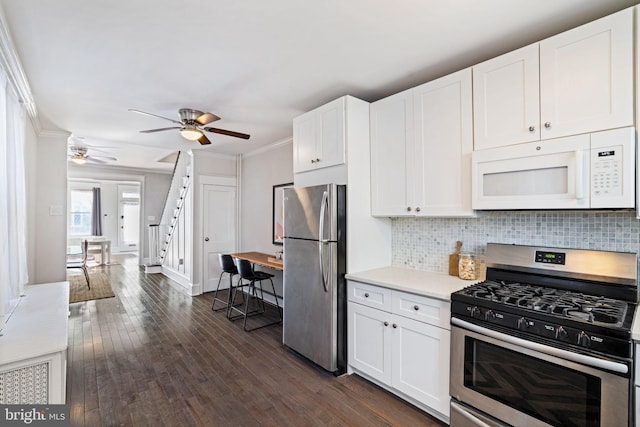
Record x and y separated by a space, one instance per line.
330 134
391 142
368 341
304 142
586 77
443 146
506 96
421 362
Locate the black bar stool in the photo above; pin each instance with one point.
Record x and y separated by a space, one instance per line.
228 267
247 273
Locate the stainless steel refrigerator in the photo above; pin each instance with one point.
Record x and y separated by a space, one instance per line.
314 323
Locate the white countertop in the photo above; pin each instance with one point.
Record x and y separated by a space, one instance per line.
430 284
38 326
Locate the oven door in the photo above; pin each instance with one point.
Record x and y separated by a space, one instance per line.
518 383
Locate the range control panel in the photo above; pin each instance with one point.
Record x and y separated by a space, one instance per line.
550 257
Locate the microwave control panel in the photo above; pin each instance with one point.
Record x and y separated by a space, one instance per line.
606 171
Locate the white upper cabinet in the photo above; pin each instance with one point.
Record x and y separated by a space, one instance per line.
318 137
391 154
584 84
506 94
421 144
586 77
444 143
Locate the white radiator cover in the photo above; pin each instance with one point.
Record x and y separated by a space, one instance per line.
26 385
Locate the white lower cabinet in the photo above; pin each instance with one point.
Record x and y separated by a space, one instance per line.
403 350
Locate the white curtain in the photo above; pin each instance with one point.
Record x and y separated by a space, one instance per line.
13 230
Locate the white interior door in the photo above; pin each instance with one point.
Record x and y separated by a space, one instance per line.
219 231
128 218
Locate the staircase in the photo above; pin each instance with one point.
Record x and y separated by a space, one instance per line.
160 235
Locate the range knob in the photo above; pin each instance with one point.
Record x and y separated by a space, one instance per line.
583 339
561 333
489 315
523 324
476 312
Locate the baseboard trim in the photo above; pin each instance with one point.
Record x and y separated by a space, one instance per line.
181 282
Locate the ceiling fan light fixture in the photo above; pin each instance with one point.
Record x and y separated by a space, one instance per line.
191 132
79 160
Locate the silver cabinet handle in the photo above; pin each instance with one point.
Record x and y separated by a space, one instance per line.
532 128
317 160
547 125
206 239
386 323
408 208
417 209
366 295
416 307
394 326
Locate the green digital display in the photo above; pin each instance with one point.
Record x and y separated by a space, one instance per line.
550 257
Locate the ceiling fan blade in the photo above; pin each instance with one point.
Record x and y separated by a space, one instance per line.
228 132
94 160
203 140
102 157
155 115
207 118
160 129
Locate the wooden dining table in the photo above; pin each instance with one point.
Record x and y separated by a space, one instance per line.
261 258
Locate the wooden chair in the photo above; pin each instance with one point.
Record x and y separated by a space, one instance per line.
81 263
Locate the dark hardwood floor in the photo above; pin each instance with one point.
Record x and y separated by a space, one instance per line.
153 356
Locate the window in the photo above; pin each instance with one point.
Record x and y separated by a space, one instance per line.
81 202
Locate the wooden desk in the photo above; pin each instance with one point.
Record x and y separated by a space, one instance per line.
261 259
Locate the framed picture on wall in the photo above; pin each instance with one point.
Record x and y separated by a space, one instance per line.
278 213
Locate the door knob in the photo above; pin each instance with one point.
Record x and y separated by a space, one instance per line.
206 239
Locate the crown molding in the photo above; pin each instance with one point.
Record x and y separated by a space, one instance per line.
10 62
272 146
53 133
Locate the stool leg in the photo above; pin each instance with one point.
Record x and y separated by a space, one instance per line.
273 288
215 295
246 307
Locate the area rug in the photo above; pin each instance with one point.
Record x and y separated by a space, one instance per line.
100 287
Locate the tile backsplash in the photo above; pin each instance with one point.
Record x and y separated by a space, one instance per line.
425 243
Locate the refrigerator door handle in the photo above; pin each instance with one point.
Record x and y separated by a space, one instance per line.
321 239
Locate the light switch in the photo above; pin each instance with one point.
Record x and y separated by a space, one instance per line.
55 210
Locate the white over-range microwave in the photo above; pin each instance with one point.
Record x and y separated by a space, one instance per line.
589 171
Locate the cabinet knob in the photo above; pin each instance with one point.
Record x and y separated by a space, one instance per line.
532 128
547 125
317 160
366 295
394 326
408 208
416 307
417 209
386 323
313 161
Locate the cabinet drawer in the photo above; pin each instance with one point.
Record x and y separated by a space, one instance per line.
429 310
369 295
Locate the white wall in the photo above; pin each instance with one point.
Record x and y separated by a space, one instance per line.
261 170
51 208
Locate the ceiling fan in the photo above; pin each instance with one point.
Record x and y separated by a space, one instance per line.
79 155
192 125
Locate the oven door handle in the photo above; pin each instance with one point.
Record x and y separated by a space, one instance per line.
552 351
474 420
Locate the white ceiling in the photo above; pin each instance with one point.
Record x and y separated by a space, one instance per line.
255 63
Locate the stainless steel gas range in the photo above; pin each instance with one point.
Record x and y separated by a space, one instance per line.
545 340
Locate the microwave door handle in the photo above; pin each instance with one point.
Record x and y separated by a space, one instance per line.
579 174
321 239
